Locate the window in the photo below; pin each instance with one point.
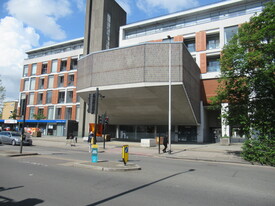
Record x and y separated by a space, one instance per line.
34 67
31 98
40 111
69 97
213 64
58 113
50 81
26 84
41 83
108 31
49 97
60 81
31 113
73 64
71 80
229 32
61 97
25 71
40 98
213 41
44 68
32 85
50 112
63 65
77 98
68 113
77 112
54 66
190 44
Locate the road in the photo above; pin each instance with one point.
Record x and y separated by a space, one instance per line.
50 180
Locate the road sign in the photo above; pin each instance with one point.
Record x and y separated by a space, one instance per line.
125 154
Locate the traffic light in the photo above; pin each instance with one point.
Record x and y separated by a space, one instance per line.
91 103
99 119
106 120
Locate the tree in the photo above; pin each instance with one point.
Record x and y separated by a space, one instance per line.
39 116
247 84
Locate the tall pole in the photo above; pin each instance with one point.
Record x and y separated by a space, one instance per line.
23 114
96 113
170 100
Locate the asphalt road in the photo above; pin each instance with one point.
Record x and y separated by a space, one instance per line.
50 180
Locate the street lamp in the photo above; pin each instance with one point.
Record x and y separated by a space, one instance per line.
23 106
170 97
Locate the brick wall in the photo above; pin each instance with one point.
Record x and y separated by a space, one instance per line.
203 63
201 41
209 87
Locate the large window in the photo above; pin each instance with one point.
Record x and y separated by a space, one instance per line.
54 65
34 67
31 113
190 44
108 30
44 68
49 97
71 80
26 84
41 83
58 113
40 98
50 81
60 81
63 65
50 112
32 85
25 71
68 113
69 97
213 41
213 64
73 64
229 32
61 97
31 98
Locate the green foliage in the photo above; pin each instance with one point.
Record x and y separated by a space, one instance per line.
39 116
14 114
247 83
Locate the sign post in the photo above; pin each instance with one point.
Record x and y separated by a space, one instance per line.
125 154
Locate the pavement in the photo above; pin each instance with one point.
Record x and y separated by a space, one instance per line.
213 152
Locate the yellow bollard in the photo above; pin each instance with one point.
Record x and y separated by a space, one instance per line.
125 154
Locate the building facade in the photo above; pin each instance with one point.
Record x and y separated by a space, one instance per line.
49 80
134 77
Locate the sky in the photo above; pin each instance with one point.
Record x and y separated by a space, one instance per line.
28 24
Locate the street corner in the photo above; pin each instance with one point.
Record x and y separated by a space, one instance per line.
110 166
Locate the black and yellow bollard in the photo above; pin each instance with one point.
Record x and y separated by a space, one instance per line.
125 154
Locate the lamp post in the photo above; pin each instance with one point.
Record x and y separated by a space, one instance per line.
23 106
169 98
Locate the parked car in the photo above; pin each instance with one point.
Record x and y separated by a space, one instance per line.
13 138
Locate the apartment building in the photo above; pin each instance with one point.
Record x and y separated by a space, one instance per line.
49 80
134 77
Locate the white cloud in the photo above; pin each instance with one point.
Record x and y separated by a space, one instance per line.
15 40
42 15
171 6
81 5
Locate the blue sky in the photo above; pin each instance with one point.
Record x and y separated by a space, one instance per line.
27 24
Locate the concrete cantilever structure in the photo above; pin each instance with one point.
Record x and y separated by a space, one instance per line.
134 81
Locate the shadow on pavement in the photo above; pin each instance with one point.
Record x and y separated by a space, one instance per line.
140 187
